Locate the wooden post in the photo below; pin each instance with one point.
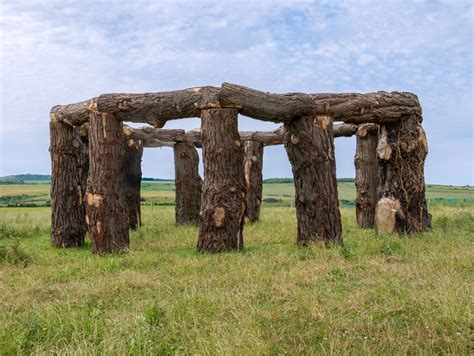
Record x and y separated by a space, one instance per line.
310 148
68 172
133 166
401 150
223 193
253 165
188 183
107 210
367 174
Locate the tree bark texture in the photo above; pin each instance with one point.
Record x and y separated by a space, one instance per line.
354 108
223 194
107 210
253 166
157 108
69 163
367 174
310 149
153 137
133 177
73 114
188 183
402 149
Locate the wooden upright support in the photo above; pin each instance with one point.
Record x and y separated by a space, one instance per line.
367 174
133 176
107 209
223 193
253 165
188 183
310 148
69 164
401 150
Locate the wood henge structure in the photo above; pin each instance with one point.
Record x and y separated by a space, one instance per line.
96 163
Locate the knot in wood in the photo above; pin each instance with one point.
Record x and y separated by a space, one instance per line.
294 139
218 216
94 199
122 104
322 121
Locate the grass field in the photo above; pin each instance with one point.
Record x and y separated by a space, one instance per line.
273 194
374 295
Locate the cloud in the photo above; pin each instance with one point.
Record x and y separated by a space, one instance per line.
56 52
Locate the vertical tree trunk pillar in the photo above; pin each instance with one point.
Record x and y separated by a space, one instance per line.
68 172
187 182
310 148
367 174
107 210
223 193
401 151
133 166
253 165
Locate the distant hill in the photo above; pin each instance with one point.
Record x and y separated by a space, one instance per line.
146 179
290 180
25 178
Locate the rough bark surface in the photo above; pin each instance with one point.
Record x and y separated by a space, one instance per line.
253 165
157 108
69 163
367 174
73 114
133 178
107 210
310 149
402 149
223 193
153 137
188 183
351 107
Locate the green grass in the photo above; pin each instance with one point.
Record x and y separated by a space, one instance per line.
162 193
374 295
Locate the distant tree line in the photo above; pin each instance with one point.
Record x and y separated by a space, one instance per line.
290 180
25 177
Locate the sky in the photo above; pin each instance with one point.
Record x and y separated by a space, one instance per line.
60 52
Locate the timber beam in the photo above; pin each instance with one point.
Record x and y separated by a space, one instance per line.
158 108
152 137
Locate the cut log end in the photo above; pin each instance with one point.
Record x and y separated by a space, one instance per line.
386 212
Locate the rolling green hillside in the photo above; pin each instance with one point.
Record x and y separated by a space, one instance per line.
274 194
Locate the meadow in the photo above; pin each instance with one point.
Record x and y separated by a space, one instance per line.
374 295
274 194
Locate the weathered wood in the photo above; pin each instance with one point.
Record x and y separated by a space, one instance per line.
133 179
157 108
152 137
310 149
223 193
253 165
69 163
344 130
107 210
367 174
402 149
147 133
188 183
73 114
379 107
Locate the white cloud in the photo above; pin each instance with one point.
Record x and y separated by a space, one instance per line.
65 51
